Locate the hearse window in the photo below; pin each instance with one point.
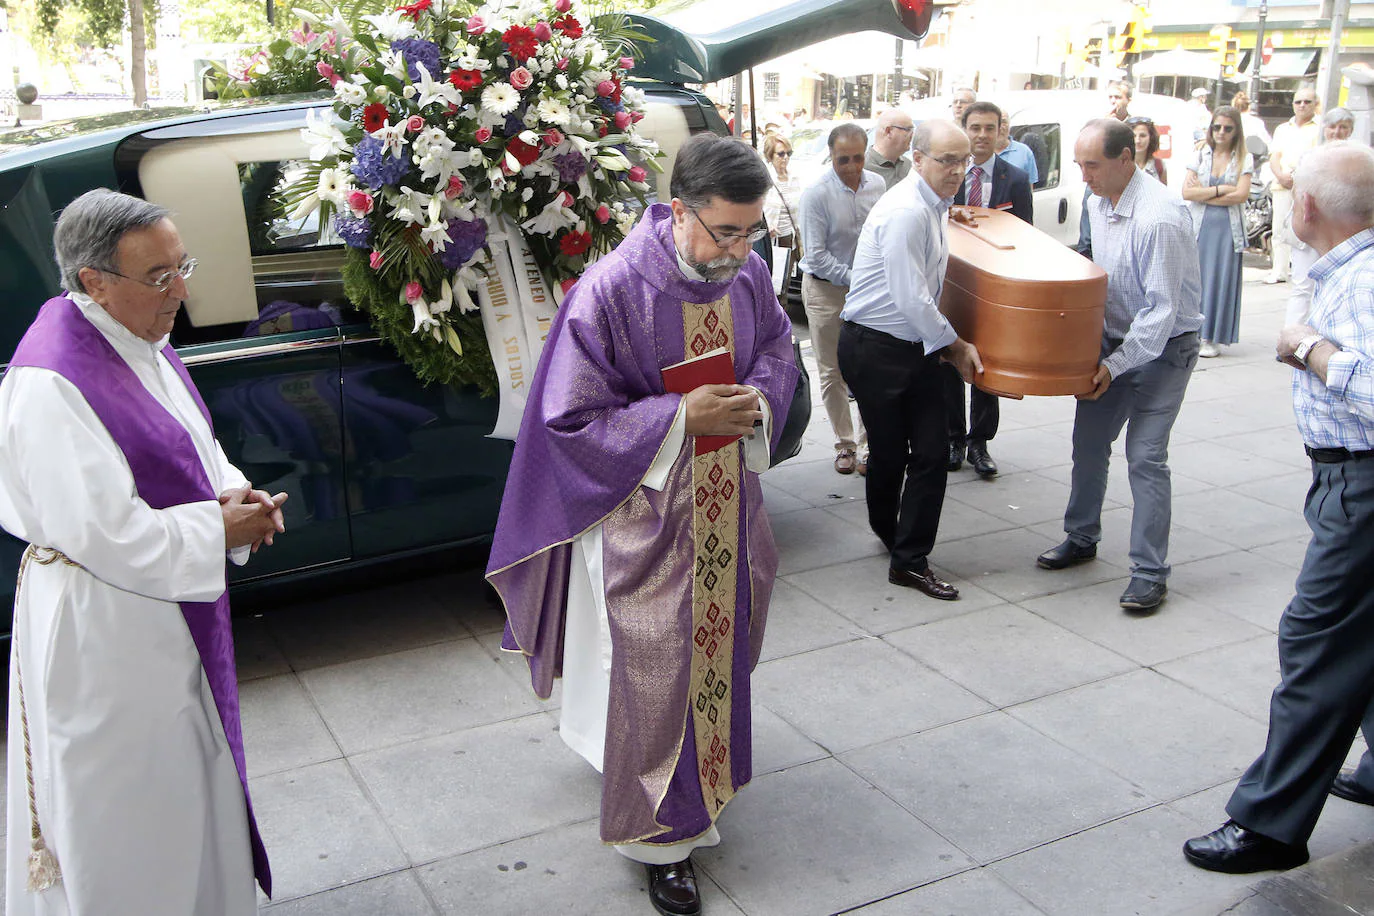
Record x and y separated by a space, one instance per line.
260 272
1043 140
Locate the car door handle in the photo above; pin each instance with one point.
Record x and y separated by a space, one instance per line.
360 337
1063 209
253 351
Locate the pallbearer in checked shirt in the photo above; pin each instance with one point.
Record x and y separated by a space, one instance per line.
628 564
1326 636
1143 237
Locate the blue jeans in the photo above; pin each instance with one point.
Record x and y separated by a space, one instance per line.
1145 401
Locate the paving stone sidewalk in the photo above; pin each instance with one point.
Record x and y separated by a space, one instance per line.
1029 749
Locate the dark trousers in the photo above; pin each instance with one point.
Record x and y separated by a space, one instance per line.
1326 659
983 409
899 392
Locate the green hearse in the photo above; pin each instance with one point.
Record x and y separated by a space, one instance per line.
377 464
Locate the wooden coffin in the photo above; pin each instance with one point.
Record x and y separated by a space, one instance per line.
1031 306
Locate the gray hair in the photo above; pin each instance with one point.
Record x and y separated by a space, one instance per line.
1339 177
89 230
708 166
1337 116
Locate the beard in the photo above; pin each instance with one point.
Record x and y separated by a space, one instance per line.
717 270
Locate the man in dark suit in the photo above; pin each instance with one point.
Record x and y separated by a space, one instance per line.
989 181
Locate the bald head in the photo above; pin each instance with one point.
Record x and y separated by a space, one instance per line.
940 150
893 134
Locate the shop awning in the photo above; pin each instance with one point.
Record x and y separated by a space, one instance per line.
1289 63
1178 62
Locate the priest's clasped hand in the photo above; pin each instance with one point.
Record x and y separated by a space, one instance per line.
251 517
722 410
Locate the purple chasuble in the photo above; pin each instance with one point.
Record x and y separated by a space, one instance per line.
595 420
167 472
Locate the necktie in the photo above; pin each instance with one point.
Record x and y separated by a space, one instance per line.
975 188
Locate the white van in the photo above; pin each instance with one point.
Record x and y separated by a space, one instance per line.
1050 120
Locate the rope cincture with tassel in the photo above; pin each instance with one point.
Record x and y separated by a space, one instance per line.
44 870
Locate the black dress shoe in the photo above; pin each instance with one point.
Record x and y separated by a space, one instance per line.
1143 595
956 456
924 581
1065 555
1344 786
1237 851
673 889
982 462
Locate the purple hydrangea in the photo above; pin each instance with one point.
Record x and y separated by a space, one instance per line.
356 233
465 238
515 122
608 105
571 166
418 51
375 167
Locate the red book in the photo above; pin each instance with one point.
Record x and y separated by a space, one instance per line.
716 367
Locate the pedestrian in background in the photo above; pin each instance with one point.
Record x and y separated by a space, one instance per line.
1250 124
1216 187
886 157
1326 635
1015 152
961 98
1147 148
891 346
1293 137
833 212
1201 114
1143 238
779 206
1337 124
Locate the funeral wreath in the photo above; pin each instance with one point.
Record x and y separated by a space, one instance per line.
468 144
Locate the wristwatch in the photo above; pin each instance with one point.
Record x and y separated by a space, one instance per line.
1305 346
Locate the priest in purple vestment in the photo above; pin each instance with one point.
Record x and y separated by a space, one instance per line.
127 787
631 566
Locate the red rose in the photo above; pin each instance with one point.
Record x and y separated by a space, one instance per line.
465 80
521 78
521 42
375 117
483 134
542 31
569 26
552 137
522 151
573 244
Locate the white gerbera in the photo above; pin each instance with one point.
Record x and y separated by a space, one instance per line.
334 185
553 111
500 99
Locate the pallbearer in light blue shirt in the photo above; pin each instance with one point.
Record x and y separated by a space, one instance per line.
833 211
1143 237
891 345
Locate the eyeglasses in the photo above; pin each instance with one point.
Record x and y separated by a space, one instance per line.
1224 128
164 282
1132 122
783 154
845 160
945 162
725 241
905 130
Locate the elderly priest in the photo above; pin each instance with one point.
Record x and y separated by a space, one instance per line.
127 791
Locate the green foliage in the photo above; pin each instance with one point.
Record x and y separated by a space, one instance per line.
392 319
103 18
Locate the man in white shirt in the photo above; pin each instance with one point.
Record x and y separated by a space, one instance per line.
1293 137
832 213
124 717
891 346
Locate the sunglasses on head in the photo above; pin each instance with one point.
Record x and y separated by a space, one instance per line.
1132 122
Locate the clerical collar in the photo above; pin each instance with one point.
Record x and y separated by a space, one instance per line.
688 271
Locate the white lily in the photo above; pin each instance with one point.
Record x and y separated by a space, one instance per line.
424 321
350 93
445 300
324 137
613 160
393 137
436 235
308 205
392 26
432 91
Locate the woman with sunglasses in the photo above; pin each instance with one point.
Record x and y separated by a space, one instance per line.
1216 186
781 202
1147 147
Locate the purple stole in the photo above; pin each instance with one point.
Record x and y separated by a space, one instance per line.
167 472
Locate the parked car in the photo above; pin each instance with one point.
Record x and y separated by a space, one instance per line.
1049 121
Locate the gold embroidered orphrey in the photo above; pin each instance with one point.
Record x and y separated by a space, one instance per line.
715 541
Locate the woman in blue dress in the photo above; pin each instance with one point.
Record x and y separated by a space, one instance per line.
1216 187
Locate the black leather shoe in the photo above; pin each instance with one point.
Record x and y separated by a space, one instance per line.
1143 595
925 582
1237 851
1065 555
982 462
1344 786
673 889
956 456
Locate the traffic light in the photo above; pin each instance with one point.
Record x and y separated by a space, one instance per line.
1217 40
1230 58
1128 39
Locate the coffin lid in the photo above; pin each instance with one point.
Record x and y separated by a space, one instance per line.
1012 249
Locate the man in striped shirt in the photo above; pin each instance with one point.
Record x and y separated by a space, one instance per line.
1326 636
1143 237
